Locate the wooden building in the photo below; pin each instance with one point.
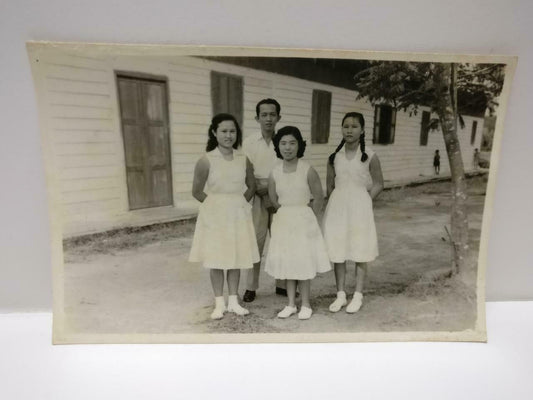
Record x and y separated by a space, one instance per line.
124 132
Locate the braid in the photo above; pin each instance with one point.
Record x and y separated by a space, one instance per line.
364 156
331 158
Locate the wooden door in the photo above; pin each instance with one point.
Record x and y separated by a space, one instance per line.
145 128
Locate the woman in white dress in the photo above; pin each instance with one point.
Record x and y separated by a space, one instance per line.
354 179
297 250
224 237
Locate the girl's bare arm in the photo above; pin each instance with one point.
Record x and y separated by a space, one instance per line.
330 179
316 190
377 177
201 172
272 191
250 181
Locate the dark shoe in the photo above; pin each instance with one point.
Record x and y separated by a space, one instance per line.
249 296
283 292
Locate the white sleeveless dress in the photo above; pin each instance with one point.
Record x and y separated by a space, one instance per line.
348 225
224 237
297 249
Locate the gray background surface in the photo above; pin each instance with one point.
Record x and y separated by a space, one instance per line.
487 27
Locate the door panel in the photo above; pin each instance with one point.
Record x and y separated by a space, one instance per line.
155 96
144 117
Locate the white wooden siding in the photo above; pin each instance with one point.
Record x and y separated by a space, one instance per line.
84 124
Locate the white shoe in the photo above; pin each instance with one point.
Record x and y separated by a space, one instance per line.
218 313
356 303
238 309
339 302
287 312
305 313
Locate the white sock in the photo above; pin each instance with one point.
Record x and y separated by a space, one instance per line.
339 302
356 303
235 307
220 307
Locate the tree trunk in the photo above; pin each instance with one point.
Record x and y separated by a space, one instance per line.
447 111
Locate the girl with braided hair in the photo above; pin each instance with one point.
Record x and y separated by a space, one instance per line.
353 180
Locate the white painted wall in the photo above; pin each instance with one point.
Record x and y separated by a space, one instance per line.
83 125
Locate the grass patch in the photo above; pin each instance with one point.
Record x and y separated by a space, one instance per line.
127 238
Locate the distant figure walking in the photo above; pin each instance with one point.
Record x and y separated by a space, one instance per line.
476 159
436 162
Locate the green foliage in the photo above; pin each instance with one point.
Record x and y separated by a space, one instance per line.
404 85
478 86
409 85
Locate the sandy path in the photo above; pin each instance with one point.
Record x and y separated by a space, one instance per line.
153 289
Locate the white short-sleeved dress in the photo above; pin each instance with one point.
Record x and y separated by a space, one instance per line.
348 224
297 249
224 237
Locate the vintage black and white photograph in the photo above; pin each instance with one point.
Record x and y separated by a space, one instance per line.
219 194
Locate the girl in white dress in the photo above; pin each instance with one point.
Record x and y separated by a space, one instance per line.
224 237
353 180
297 250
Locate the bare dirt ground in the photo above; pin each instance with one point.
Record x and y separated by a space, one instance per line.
139 280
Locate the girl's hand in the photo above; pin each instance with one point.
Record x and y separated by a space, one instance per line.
377 177
330 180
262 190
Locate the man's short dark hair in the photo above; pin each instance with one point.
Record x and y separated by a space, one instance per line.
268 101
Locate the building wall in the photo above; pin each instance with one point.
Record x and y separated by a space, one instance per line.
83 125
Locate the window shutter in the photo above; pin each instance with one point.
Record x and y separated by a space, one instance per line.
375 135
473 135
384 124
392 125
216 92
325 120
227 95
235 97
314 117
424 128
320 116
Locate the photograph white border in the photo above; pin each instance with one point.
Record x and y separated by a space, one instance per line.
62 336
